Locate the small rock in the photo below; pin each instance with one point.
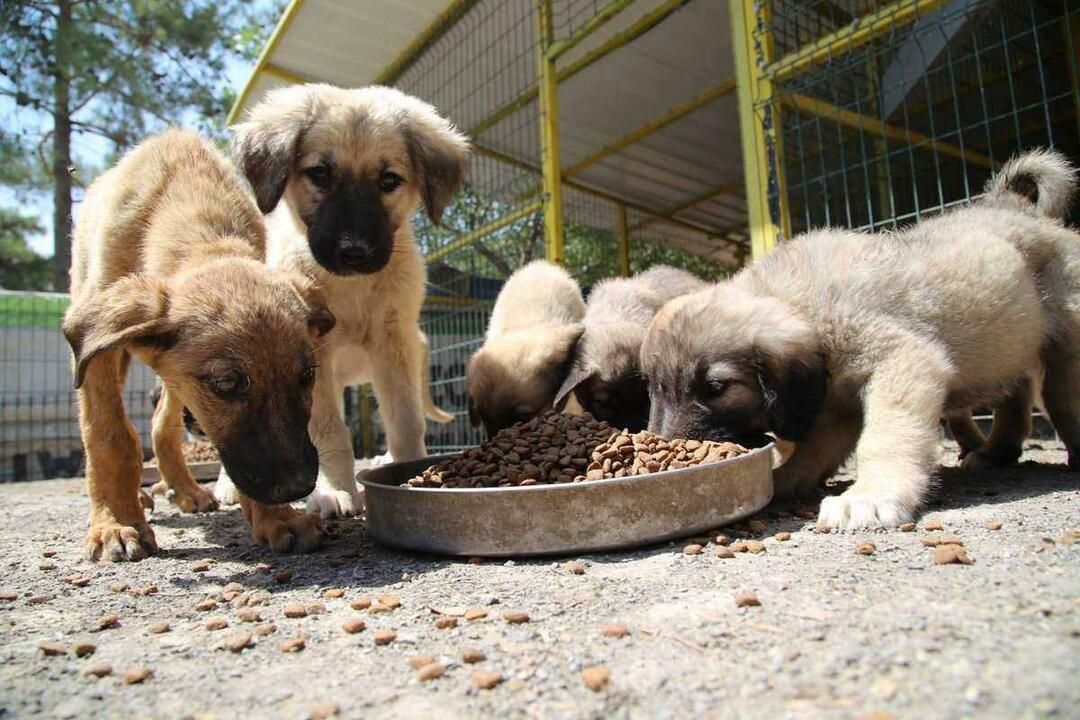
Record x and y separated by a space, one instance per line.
724 552
993 525
39 599
138 676
333 593
865 548
473 655
8 596
933 525
782 536
951 555
516 617
485 680
283 577
48 553
109 620
360 604
445 623
98 670
201 566
295 645
384 636
431 671
692 549
236 643
574 567
84 649
615 630
52 649
324 710
935 540
475 614
419 661
218 623
158 628
596 677
77 580
354 626
747 600
295 610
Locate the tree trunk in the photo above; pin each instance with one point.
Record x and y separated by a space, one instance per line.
61 161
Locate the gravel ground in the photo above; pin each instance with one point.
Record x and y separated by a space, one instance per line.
837 634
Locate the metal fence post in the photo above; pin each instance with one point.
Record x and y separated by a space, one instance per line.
548 85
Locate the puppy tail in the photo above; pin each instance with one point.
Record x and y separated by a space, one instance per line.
1040 180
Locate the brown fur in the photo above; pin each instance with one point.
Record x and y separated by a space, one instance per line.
168 267
341 172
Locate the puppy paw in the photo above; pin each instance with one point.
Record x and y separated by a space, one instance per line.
146 500
384 459
225 491
283 529
329 502
861 511
113 542
990 458
190 500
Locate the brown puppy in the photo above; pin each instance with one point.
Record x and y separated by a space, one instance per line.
169 267
341 173
606 374
526 354
846 342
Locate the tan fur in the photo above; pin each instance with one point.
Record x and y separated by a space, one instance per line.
526 353
360 134
168 266
906 328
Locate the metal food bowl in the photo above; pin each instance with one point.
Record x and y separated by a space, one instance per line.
566 518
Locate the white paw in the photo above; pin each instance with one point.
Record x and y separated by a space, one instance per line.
384 459
862 511
328 501
224 489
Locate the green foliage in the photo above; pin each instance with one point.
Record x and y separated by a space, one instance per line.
20 267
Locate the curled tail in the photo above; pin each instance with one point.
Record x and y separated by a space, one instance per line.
1043 181
431 410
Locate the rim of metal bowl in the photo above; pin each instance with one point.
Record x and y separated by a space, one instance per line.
549 487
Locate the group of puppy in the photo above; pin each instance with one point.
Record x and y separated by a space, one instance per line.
257 303
838 343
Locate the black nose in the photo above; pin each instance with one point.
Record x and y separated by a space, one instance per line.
354 251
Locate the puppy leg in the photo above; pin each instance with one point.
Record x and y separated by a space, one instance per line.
396 378
820 455
118 528
177 484
336 493
897 450
1061 396
964 430
281 527
225 491
1012 426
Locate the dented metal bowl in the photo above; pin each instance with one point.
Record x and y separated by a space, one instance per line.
563 519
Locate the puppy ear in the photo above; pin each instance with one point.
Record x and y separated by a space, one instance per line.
437 152
578 375
793 394
265 145
320 320
131 311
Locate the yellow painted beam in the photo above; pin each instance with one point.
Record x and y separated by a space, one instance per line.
676 113
597 21
280 29
285 75
709 194
636 29
456 301
873 126
483 231
859 32
422 42
548 88
623 234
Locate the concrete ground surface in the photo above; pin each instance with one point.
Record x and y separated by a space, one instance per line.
837 634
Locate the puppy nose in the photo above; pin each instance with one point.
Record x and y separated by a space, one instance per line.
353 249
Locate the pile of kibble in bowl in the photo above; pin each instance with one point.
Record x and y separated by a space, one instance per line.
558 448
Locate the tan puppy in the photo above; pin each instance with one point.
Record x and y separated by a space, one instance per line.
169 267
341 173
526 353
845 341
606 375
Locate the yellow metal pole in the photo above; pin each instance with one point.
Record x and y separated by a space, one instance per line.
754 88
548 86
282 27
481 232
624 241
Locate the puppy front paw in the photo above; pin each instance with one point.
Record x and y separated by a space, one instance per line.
191 499
329 502
384 459
284 529
224 490
856 510
990 458
114 542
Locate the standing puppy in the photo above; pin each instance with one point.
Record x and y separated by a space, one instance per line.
341 173
606 374
526 353
844 341
169 267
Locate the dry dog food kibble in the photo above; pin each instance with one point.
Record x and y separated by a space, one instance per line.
747 600
105 622
614 630
354 626
385 636
295 645
692 549
934 525
283 577
84 649
218 623
249 616
907 527
574 567
472 655
783 536
332 593
445 623
866 548
993 526
236 643
390 601
295 610
98 670
52 649
516 617
485 680
265 629
360 604
557 448
724 552
419 661
431 672
324 710
475 614
159 627
596 677
138 675
951 554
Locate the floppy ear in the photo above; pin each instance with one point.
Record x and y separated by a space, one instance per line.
437 152
578 375
265 145
793 394
131 311
320 320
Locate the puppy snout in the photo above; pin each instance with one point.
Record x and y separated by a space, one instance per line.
354 248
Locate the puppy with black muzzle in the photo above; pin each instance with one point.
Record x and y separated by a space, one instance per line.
534 325
846 341
169 267
341 173
605 375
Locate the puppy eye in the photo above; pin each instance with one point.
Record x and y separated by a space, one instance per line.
715 388
389 182
230 384
319 176
307 378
